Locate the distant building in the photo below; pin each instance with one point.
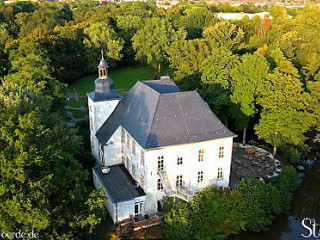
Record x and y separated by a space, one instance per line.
155 141
239 16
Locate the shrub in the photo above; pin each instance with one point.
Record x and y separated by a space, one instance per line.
291 153
262 203
217 213
289 178
176 220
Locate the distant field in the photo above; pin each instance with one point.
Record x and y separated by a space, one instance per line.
124 78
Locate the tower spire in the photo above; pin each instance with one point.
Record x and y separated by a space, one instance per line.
103 68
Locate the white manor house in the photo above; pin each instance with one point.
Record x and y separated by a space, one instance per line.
155 141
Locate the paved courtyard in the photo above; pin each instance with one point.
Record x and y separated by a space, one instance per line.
251 162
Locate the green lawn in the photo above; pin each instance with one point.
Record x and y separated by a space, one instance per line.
124 78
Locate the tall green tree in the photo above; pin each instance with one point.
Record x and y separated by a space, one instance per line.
248 80
285 115
102 36
186 56
153 41
225 34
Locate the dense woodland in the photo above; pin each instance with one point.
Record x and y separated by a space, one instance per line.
258 75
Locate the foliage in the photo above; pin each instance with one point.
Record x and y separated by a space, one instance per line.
291 154
224 34
217 67
153 41
186 56
217 213
261 202
212 214
42 186
176 220
102 36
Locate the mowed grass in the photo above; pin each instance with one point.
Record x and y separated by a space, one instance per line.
123 78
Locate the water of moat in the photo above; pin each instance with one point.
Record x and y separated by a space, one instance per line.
306 204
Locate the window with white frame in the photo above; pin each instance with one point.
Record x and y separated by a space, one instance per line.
101 152
160 163
159 185
220 173
133 147
133 171
128 162
142 157
123 135
91 124
179 160
128 141
200 177
92 142
179 181
142 181
200 156
138 206
221 152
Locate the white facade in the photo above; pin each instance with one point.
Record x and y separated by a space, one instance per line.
193 165
175 170
98 114
120 211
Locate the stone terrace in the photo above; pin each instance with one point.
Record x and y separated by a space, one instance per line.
251 162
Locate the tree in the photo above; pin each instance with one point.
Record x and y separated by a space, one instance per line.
285 116
217 213
248 80
31 67
102 36
176 222
194 19
153 41
186 56
224 34
261 202
217 67
43 187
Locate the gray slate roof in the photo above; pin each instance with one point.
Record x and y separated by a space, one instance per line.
157 114
103 90
119 184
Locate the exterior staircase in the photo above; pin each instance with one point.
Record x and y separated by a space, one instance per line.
172 190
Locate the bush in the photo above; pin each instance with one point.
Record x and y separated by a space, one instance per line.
217 213
176 220
291 153
289 178
212 214
262 203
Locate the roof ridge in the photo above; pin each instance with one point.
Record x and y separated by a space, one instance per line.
135 96
153 117
143 82
123 115
184 120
